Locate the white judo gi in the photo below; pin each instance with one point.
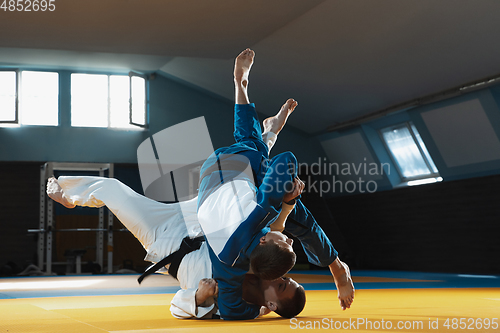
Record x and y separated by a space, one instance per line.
159 227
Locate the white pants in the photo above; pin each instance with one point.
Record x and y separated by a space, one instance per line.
159 227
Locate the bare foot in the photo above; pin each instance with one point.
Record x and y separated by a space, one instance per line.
242 66
343 281
275 124
56 193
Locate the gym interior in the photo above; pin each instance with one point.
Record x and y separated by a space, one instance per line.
397 135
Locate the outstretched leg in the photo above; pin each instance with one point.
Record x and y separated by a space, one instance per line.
242 66
247 129
145 218
275 123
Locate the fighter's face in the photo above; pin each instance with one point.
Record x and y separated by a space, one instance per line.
278 238
281 289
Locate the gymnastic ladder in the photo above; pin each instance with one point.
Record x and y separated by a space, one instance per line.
46 225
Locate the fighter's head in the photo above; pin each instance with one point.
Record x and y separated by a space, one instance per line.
284 295
273 257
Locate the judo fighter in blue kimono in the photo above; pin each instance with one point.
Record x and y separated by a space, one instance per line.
240 195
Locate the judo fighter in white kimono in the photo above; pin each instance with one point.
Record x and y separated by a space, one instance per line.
161 228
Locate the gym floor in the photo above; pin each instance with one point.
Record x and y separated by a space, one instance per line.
385 301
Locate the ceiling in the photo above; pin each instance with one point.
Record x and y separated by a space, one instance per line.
341 59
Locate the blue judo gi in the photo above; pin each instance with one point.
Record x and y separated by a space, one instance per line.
271 179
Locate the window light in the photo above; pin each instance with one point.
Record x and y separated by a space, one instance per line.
39 100
410 154
108 101
119 87
89 100
29 98
138 101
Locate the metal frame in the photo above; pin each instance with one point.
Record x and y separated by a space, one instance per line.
46 225
18 89
193 185
131 122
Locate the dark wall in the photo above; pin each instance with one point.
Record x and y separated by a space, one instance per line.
19 211
444 227
20 206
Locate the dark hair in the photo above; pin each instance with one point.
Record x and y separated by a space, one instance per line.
293 306
270 261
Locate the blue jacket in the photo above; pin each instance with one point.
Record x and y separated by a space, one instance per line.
231 265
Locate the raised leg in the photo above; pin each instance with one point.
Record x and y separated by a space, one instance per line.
247 129
242 66
275 123
145 218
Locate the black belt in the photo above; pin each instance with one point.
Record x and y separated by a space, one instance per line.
174 259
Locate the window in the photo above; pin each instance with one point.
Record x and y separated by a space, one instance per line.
29 98
410 155
116 101
8 97
39 102
138 101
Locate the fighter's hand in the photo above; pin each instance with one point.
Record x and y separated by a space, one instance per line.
207 290
298 188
